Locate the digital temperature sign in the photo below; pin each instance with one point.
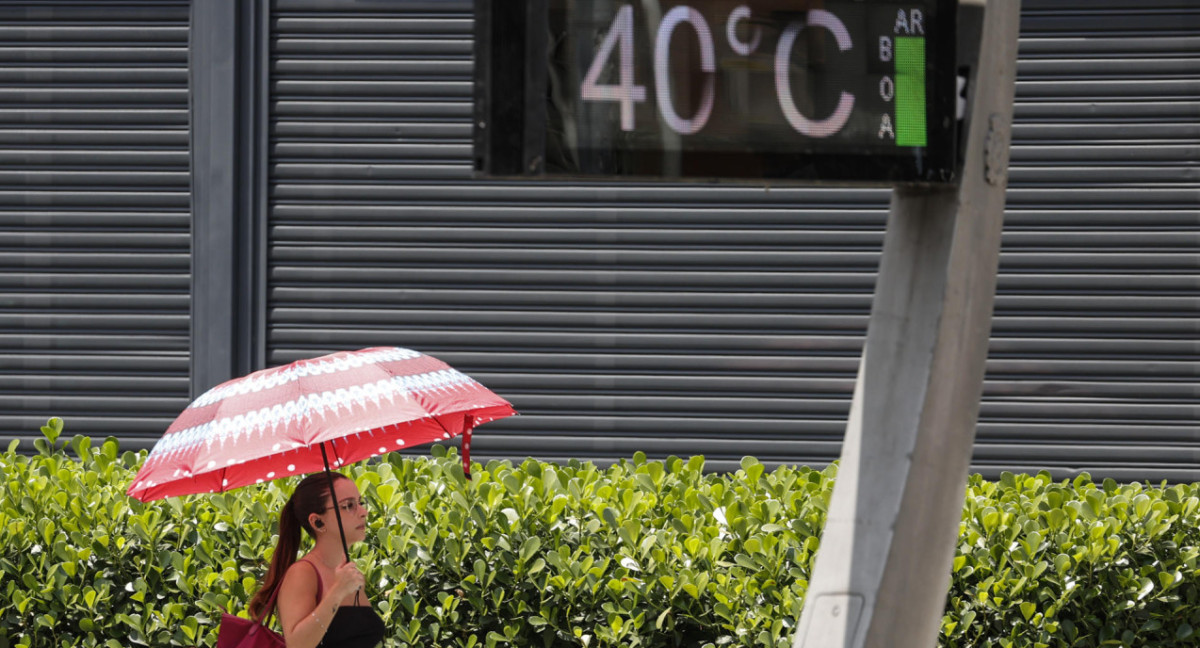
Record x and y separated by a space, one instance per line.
824 90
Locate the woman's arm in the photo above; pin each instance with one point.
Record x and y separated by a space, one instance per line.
303 623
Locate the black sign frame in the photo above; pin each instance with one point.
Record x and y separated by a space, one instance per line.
512 40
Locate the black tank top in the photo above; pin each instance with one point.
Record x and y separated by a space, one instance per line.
352 626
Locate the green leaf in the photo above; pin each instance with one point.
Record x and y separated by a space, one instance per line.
1007 480
1146 587
529 548
53 429
610 516
1167 579
1039 568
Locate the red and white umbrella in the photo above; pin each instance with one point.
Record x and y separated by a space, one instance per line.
310 414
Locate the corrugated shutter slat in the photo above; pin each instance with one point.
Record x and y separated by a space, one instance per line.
94 217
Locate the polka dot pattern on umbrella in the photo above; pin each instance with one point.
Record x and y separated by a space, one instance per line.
273 423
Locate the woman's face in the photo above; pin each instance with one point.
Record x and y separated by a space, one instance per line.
354 514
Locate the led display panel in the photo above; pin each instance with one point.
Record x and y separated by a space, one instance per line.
807 90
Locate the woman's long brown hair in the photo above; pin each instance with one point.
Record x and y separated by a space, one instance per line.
309 497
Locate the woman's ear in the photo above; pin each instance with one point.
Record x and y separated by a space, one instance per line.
315 521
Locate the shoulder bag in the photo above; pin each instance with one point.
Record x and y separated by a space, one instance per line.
236 632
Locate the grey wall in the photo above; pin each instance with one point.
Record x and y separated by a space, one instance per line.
670 318
725 320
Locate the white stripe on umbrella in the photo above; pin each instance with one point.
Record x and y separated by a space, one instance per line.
271 379
316 404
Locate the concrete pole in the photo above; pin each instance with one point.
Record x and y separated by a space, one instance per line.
882 571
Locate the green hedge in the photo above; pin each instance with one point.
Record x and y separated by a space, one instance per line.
644 553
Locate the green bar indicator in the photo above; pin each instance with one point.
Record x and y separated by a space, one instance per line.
910 91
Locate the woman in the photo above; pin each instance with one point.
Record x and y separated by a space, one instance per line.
320 598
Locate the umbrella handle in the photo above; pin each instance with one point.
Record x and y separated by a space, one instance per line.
468 424
337 511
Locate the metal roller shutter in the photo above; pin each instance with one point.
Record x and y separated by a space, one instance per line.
1095 349
727 320
94 216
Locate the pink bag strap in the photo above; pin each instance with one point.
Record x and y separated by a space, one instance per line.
269 609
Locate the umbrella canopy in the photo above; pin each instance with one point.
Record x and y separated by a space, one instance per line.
278 422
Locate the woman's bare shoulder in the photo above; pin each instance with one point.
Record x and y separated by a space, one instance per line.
301 575
297 594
